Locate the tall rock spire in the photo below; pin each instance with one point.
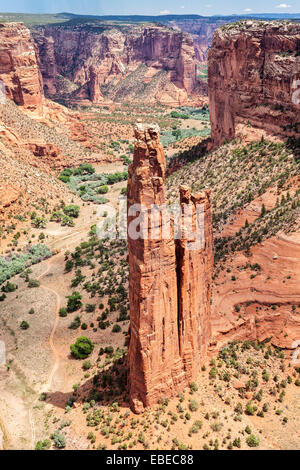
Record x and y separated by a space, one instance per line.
168 336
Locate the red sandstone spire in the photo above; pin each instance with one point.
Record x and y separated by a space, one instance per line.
169 288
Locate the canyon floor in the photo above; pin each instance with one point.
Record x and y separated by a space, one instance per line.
248 393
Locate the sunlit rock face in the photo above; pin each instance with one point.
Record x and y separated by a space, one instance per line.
144 63
19 67
169 284
253 76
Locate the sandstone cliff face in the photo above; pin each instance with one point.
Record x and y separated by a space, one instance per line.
169 288
107 54
202 32
194 274
251 71
19 68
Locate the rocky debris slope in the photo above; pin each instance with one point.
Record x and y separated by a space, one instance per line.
253 73
169 287
91 55
19 67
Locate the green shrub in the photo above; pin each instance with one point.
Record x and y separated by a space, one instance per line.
82 348
72 210
193 405
63 312
86 365
116 329
9 287
74 302
39 222
43 445
59 440
32 283
193 387
250 410
84 169
102 189
24 325
75 323
67 221
252 441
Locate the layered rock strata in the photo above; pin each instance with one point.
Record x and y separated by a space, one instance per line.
254 78
19 67
169 283
94 55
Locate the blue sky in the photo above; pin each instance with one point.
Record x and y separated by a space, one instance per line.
153 7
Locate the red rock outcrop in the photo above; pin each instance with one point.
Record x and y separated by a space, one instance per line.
8 196
42 149
169 288
252 69
19 68
194 273
94 86
108 54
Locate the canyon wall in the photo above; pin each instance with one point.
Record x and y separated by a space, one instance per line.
19 67
252 69
201 31
103 54
169 281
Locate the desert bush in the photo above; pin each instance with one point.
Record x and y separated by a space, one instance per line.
82 348
252 441
74 302
24 325
72 210
59 440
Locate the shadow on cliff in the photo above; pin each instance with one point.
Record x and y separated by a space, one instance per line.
105 387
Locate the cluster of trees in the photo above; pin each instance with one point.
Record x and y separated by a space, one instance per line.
67 215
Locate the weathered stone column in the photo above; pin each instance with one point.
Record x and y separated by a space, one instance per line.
194 273
154 362
169 284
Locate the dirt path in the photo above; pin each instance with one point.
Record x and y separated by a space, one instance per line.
55 366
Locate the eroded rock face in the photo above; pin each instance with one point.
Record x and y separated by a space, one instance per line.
19 69
194 274
169 288
107 55
252 69
202 30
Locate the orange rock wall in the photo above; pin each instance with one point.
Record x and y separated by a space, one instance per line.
165 351
194 273
19 68
251 70
90 57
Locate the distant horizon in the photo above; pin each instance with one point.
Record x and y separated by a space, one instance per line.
151 15
155 8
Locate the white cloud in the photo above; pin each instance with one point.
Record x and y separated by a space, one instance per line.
182 6
247 10
164 12
208 5
283 5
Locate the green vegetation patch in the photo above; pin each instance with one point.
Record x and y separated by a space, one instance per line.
88 184
17 263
